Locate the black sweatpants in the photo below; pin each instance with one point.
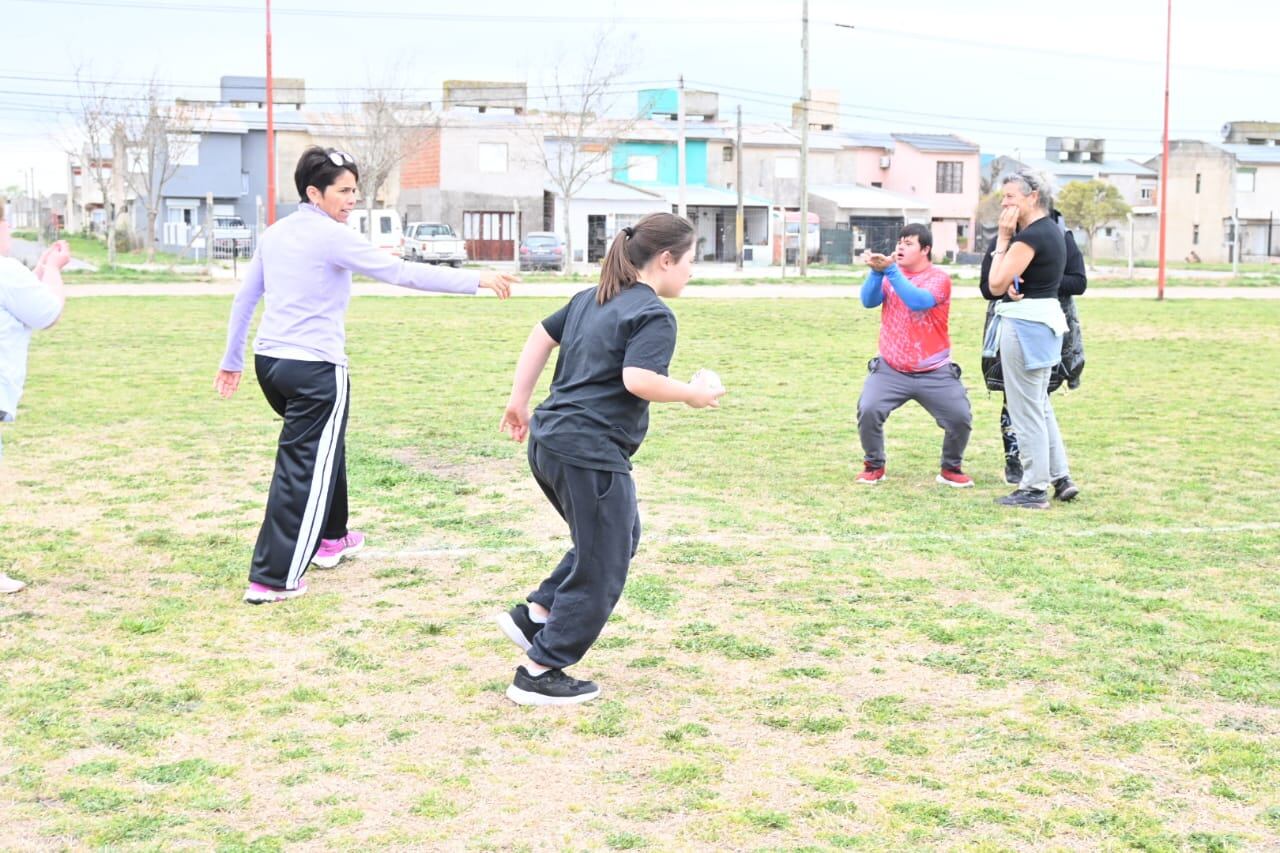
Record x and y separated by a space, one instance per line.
581 592
308 497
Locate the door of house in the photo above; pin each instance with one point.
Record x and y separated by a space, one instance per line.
596 247
875 233
837 245
180 216
490 235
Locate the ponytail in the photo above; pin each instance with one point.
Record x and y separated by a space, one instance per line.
634 246
618 271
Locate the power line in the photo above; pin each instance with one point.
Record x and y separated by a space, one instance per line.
1040 50
784 100
446 17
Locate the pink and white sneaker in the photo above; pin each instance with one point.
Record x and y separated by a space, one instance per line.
332 551
262 594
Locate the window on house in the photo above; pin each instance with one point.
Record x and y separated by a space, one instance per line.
1108 231
1197 183
786 168
728 153
493 157
626 220
1246 180
1195 235
184 149
644 168
1145 193
950 176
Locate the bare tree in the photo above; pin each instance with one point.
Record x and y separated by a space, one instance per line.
157 136
98 130
574 133
381 130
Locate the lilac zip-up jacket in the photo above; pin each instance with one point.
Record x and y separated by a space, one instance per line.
303 267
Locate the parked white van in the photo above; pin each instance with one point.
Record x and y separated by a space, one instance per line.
387 232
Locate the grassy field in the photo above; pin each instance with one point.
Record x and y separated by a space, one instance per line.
797 663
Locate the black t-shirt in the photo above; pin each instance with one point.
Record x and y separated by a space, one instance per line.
590 419
1043 276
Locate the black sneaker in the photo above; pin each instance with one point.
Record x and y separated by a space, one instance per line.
1064 489
553 687
1012 470
518 627
1026 499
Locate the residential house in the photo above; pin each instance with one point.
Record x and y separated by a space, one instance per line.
941 170
1211 188
647 158
1256 148
86 204
1069 159
871 216
478 167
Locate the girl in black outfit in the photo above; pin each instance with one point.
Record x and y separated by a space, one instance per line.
616 341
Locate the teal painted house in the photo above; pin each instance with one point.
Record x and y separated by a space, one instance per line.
656 164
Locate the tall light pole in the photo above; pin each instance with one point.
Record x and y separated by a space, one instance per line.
271 130
804 148
1164 157
682 209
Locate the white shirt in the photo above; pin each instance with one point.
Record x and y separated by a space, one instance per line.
25 305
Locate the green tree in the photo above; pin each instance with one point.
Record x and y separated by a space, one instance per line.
1089 205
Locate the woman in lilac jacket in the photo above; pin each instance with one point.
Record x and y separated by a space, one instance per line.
302 269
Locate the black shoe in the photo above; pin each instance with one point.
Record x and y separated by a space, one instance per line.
553 687
518 627
1012 470
1026 499
1064 489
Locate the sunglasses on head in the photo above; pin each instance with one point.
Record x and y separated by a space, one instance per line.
341 158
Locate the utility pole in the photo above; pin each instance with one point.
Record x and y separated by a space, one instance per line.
208 236
271 130
1164 158
739 224
804 147
1235 241
681 208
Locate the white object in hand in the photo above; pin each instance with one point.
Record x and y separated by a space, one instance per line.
709 378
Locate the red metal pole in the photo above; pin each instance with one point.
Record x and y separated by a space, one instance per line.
270 124
1164 157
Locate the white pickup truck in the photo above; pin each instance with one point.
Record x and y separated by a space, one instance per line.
433 243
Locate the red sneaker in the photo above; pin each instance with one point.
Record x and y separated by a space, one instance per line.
870 475
955 478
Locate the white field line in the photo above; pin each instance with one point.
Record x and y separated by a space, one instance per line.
889 536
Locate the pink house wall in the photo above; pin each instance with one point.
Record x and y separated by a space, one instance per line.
915 173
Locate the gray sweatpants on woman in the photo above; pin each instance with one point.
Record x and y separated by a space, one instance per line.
1044 458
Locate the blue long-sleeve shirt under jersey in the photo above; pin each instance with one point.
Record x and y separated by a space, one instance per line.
915 298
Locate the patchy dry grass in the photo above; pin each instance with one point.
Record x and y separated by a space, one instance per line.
796 664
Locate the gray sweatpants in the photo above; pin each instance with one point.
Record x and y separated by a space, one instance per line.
939 392
1044 457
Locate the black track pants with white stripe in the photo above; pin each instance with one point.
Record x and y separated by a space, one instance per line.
308 497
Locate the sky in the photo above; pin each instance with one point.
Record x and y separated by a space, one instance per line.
1002 73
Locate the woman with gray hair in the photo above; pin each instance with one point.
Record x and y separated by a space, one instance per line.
1026 273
